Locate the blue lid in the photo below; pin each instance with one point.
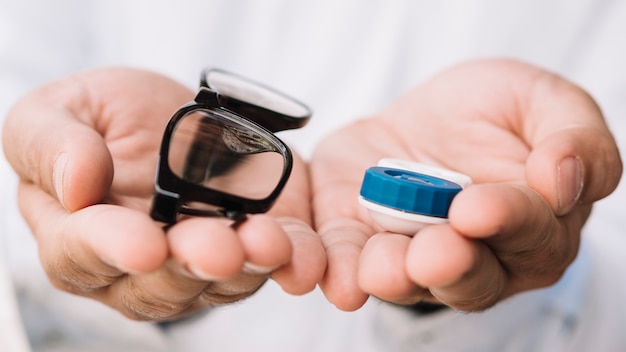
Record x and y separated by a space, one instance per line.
409 191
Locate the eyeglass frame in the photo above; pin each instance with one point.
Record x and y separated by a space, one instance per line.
171 192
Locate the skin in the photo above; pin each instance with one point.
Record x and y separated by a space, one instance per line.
85 148
539 152
536 146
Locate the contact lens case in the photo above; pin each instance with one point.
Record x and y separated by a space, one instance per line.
404 196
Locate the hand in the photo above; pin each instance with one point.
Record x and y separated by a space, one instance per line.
85 148
539 153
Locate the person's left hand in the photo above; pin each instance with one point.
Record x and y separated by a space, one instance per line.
539 153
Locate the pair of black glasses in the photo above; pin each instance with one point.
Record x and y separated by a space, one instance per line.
219 155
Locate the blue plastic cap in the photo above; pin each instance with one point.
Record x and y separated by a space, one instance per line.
409 191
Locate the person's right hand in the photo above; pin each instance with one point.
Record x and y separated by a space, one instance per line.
85 148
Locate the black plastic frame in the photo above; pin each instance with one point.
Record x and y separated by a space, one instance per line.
171 192
271 120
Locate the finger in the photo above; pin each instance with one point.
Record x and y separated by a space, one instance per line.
48 147
343 239
295 200
339 221
308 260
160 295
459 272
574 165
520 228
89 249
265 244
236 263
206 260
208 248
574 156
382 270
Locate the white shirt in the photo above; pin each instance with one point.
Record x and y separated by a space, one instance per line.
347 60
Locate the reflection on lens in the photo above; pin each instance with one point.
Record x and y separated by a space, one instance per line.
245 141
223 154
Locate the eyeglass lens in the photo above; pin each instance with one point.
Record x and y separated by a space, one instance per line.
244 90
224 155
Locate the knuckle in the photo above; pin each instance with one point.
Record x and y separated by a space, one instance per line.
474 305
70 276
419 295
545 261
476 302
222 294
138 304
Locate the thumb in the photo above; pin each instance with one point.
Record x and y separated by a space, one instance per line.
572 166
574 158
49 146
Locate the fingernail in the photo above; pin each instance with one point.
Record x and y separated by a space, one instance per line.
112 264
197 273
57 175
570 183
254 269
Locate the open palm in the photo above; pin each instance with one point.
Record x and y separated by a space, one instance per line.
539 153
86 149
